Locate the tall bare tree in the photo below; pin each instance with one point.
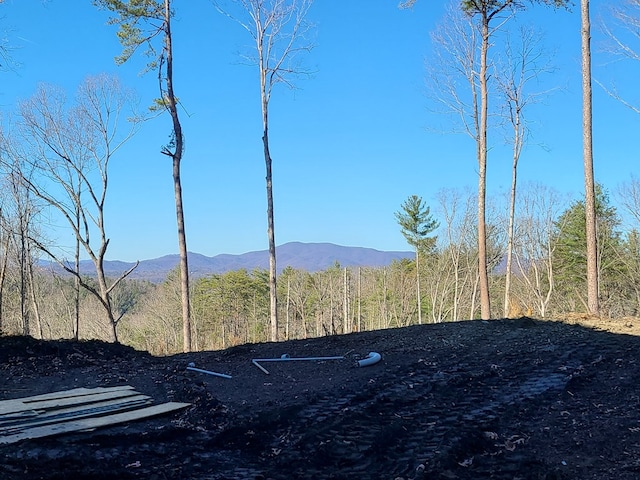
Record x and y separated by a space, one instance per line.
524 62
279 30
487 16
69 150
486 11
456 58
463 45
593 303
140 22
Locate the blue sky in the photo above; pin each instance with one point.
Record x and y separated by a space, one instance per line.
348 146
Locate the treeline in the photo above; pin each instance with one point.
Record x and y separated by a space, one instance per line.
548 281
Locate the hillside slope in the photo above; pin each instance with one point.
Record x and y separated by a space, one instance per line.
502 399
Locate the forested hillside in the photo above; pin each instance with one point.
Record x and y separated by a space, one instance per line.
305 256
232 308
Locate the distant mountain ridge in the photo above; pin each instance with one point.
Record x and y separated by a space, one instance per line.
312 257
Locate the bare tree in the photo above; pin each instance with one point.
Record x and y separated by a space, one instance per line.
22 231
525 62
623 30
7 62
20 220
486 11
300 300
468 42
69 150
457 42
535 246
5 235
462 49
140 22
279 30
457 253
593 303
629 198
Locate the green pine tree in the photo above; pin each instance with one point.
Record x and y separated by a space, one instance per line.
416 223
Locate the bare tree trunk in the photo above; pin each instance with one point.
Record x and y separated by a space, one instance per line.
265 88
358 323
593 303
34 298
485 302
273 298
184 261
176 156
385 308
286 330
510 233
76 280
345 303
3 268
472 307
24 312
419 294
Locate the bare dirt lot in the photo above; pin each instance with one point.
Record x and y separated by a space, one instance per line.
500 399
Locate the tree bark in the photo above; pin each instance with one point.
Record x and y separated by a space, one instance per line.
177 186
76 280
418 293
485 302
264 93
346 328
273 299
593 303
3 270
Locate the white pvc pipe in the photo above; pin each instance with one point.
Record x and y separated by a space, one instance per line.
370 359
293 359
208 372
287 358
255 362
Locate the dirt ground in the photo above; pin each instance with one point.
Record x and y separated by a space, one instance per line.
500 399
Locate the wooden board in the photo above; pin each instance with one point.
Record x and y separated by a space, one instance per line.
75 392
94 422
18 423
62 399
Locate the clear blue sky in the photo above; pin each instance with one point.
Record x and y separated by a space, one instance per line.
348 147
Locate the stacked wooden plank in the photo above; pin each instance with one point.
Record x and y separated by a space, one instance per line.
75 410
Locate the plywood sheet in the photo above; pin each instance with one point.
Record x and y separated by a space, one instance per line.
75 410
94 422
65 398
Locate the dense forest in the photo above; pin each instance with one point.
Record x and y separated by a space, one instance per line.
528 253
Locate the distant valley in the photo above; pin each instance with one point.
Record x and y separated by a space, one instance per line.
312 257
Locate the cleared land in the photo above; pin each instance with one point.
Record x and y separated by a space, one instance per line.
503 399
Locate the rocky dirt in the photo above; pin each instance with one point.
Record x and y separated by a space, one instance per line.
501 399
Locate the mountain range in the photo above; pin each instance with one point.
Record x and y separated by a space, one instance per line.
312 257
